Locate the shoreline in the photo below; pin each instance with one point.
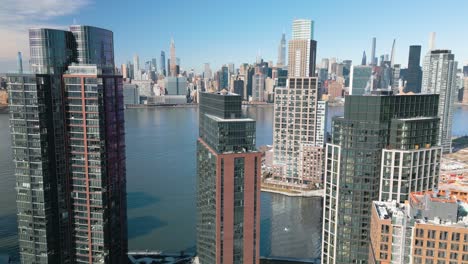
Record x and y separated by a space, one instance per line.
312 193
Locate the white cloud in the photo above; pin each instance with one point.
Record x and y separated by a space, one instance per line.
17 16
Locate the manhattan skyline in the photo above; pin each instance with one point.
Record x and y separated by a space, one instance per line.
204 34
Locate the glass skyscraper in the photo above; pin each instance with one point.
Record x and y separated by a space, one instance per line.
369 141
414 72
69 149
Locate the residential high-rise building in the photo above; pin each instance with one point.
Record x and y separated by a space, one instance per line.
365 144
439 77
361 80
428 228
97 171
414 72
224 78
302 50
173 61
228 182
282 52
303 29
300 101
71 187
258 87
162 59
373 60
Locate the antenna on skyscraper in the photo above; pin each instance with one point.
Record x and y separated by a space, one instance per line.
74 21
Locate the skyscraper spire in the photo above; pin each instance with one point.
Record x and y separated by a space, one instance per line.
282 51
173 61
364 59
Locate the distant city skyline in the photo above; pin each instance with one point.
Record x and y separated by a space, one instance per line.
236 36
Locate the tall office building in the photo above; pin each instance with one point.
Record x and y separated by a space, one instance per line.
207 74
162 59
282 52
71 195
136 64
173 61
258 87
366 143
224 78
361 80
373 59
302 50
303 29
228 182
439 77
19 63
414 72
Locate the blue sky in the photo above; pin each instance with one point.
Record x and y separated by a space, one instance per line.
220 32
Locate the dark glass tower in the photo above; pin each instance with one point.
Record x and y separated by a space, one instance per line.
228 182
68 146
414 72
374 128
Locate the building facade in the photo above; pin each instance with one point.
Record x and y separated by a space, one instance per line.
71 187
361 80
353 168
131 94
439 77
258 87
295 123
428 228
414 72
228 182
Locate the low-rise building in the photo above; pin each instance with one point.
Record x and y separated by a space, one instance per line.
428 228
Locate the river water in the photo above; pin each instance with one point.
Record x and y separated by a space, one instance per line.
161 177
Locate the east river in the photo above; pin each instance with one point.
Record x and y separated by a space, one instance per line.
161 176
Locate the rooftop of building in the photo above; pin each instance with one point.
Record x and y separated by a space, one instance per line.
416 210
418 197
219 119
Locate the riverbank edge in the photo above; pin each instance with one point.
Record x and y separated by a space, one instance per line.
313 193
